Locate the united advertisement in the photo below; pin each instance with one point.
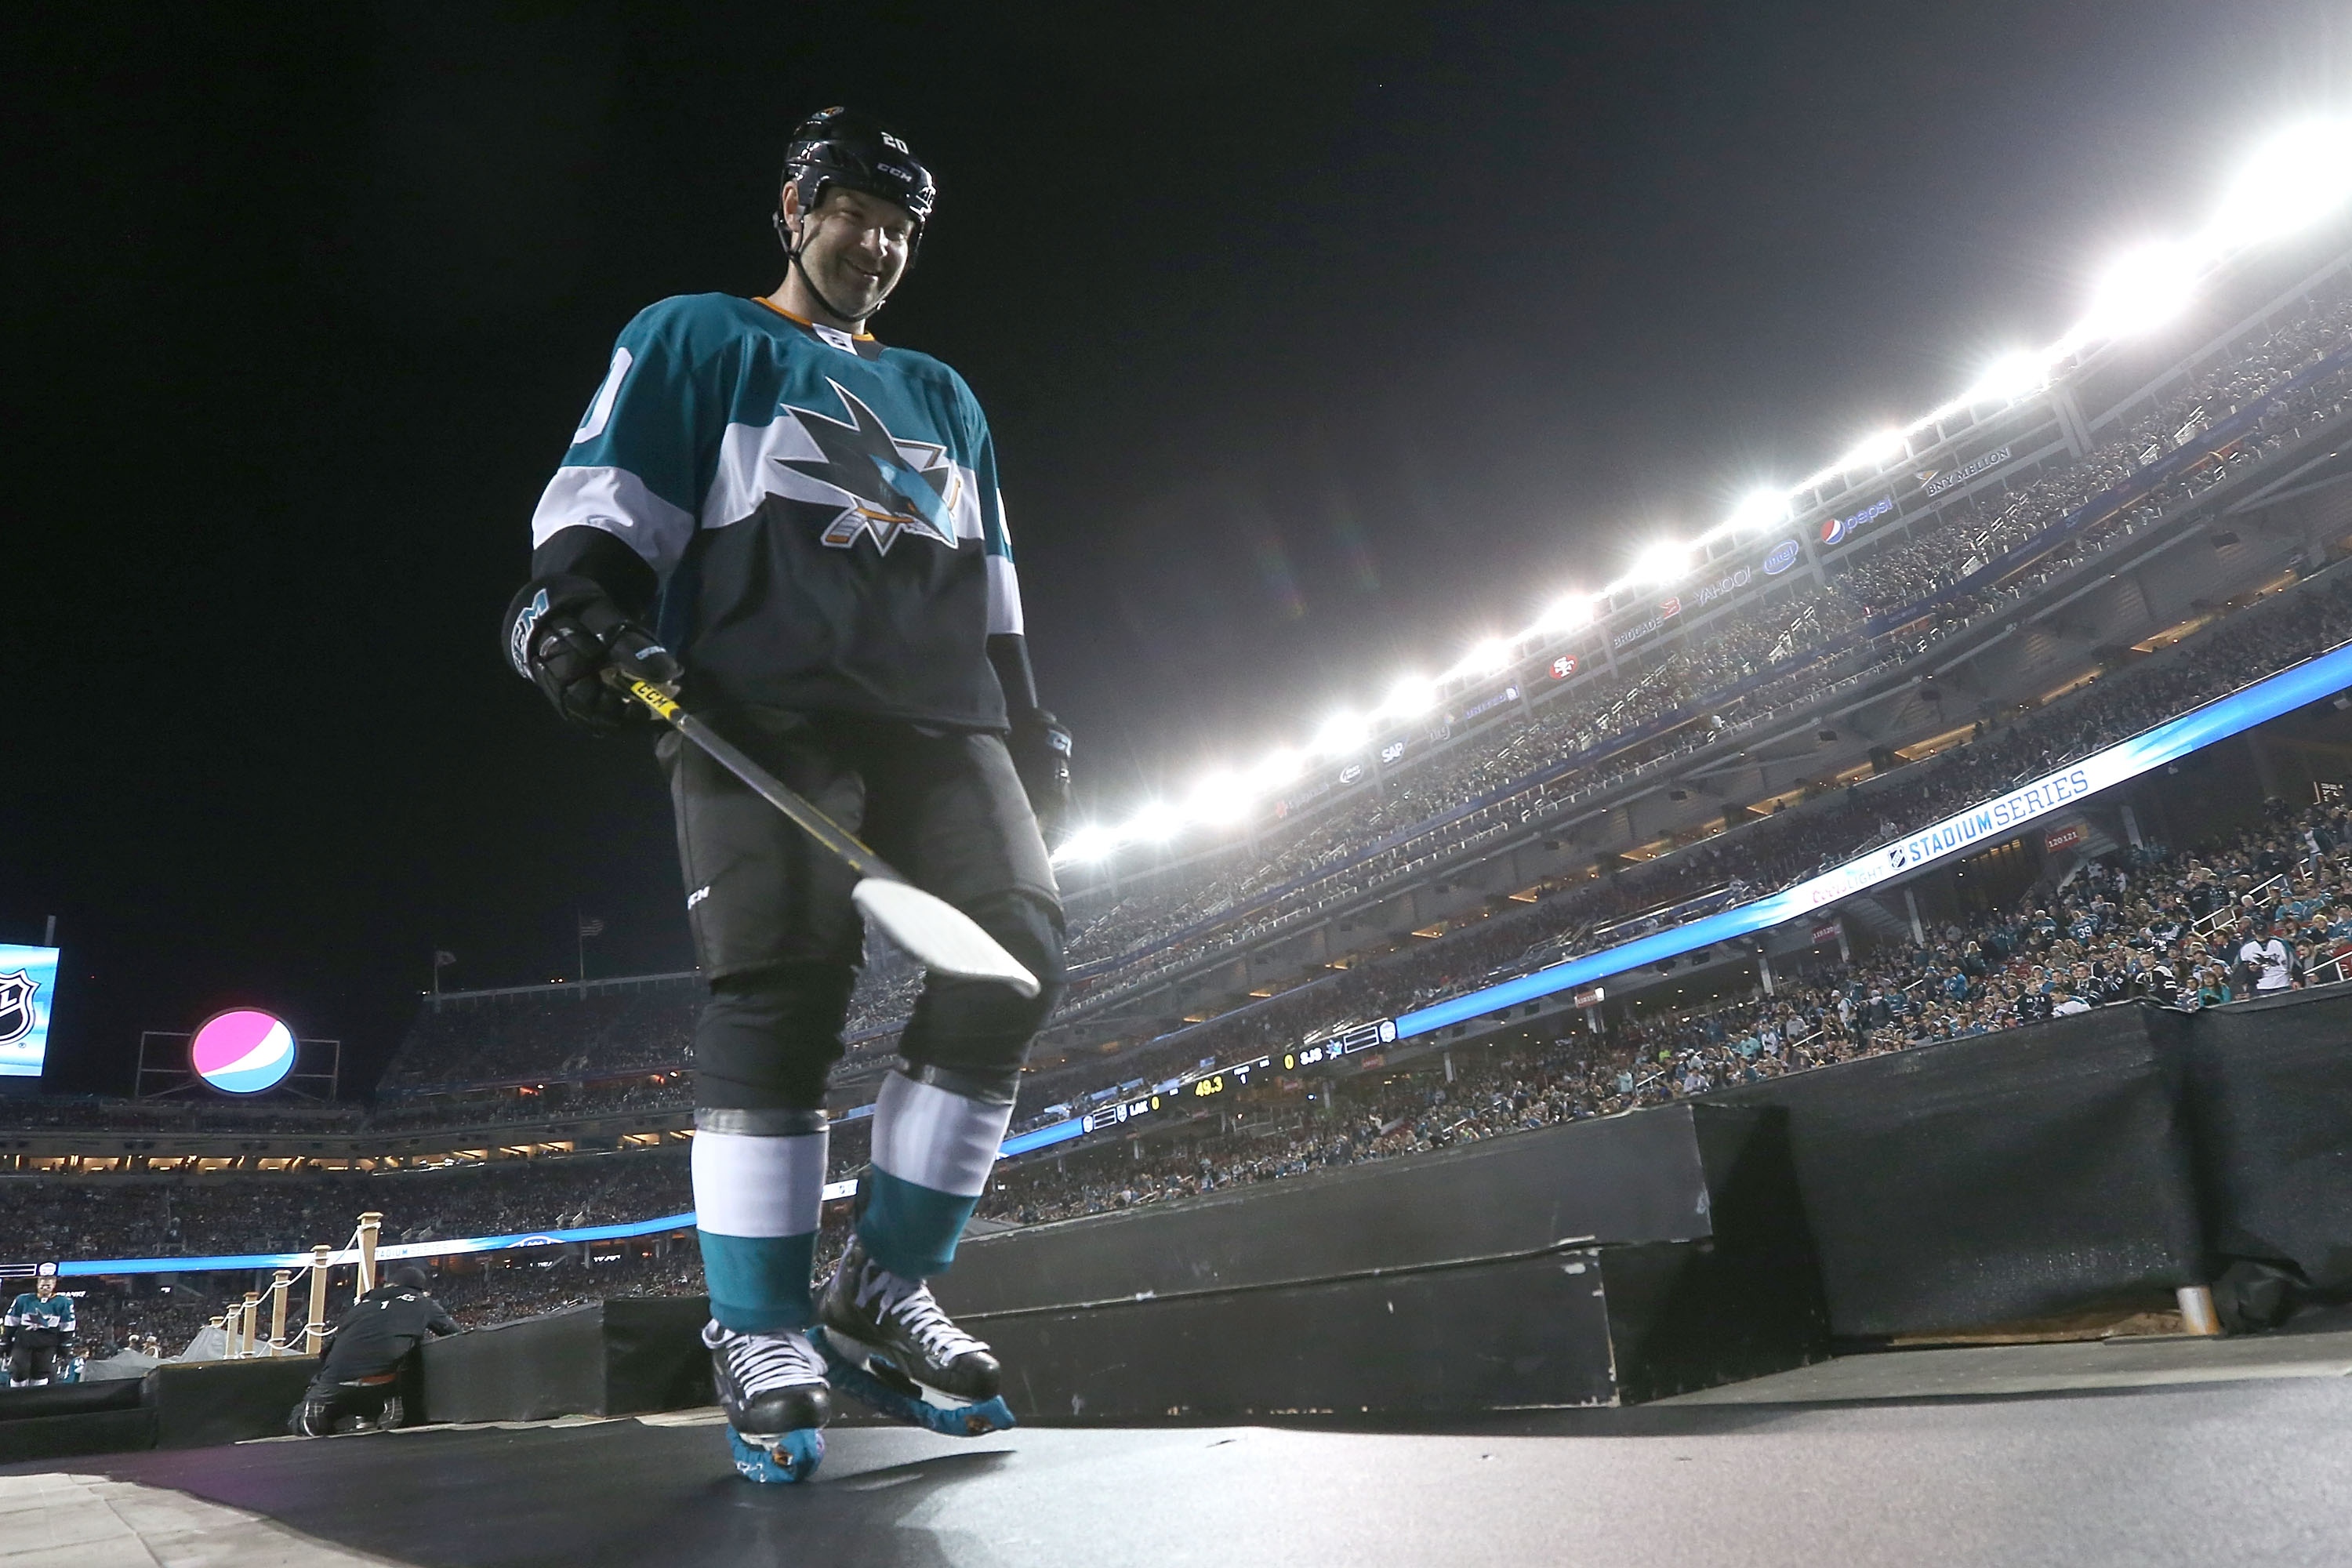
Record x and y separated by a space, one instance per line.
28 987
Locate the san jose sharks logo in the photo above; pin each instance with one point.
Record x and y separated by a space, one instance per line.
17 993
890 486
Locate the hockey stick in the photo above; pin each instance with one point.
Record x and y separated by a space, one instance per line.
937 934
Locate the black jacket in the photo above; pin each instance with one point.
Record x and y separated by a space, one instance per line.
382 1326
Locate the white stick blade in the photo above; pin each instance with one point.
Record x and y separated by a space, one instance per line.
938 936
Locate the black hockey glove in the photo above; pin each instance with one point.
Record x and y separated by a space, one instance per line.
1041 754
562 631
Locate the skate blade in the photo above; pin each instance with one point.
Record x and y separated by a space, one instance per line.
849 1375
786 1459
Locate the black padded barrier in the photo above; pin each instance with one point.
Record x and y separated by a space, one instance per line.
1998 1178
2272 1100
627 1356
1598 1263
199 1404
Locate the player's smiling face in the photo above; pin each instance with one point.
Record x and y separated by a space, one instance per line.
854 248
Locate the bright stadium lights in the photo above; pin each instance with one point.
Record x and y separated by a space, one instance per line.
1155 823
1566 614
1758 508
1660 565
1219 798
1874 451
2010 376
1280 767
1086 846
2297 177
2143 291
1410 697
1341 733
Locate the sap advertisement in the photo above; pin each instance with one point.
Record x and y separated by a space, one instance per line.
1986 822
29 985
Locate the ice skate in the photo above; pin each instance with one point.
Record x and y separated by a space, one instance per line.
889 1345
772 1388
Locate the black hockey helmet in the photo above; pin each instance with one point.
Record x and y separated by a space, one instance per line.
841 147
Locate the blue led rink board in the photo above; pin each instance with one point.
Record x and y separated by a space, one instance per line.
1987 821
1963 830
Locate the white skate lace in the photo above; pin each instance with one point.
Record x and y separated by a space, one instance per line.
762 1362
911 1302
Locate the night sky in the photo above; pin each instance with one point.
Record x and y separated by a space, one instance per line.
1318 340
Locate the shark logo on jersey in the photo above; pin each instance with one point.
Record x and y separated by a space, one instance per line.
16 1015
894 487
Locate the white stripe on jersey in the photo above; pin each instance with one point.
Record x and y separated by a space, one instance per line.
617 501
1003 596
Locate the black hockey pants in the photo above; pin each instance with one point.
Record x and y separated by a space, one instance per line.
780 943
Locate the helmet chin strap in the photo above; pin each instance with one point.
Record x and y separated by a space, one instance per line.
793 259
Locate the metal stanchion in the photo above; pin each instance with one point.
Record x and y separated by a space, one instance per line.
314 1337
371 1225
252 1321
278 1281
2197 1313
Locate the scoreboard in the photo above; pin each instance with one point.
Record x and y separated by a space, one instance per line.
29 985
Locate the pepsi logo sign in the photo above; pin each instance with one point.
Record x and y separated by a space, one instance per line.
242 1051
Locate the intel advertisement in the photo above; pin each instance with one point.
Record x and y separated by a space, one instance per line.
29 985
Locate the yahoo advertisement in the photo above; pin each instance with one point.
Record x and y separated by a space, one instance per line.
28 986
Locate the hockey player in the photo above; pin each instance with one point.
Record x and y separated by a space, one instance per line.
40 1332
801 528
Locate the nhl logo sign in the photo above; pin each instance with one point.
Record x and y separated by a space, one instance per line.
16 991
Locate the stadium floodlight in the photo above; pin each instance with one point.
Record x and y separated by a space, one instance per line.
1155 823
2010 376
1341 733
1875 450
1758 508
1411 698
2144 289
1491 656
1219 798
1086 846
2296 178
1660 565
1566 614
1280 767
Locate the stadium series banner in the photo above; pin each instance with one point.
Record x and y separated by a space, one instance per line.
1984 823
29 985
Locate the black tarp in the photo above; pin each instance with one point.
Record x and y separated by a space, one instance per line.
2272 1100
1999 1177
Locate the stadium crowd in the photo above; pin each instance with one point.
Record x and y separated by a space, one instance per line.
1693 681
2267 909
1762 856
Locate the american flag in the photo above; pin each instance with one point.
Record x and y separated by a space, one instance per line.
591 926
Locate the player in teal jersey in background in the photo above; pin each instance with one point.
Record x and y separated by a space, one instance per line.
801 527
38 1332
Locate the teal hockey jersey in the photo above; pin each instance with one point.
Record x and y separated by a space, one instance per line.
29 1311
821 512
